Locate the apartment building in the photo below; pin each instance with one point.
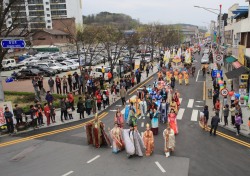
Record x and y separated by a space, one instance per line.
38 14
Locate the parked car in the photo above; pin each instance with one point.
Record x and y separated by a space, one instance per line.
72 63
69 65
9 64
47 71
28 73
63 67
48 65
97 72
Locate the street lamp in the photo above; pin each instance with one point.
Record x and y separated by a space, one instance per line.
212 11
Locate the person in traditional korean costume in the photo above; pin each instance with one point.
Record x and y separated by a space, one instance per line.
119 119
164 111
173 105
96 134
117 138
133 141
176 74
149 89
126 113
186 77
169 140
148 139
177 99
143 107
173 121
180 78
155 122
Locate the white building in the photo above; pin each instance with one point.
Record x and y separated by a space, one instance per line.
40 13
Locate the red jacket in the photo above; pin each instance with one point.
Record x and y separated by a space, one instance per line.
46 110
98 98
70 98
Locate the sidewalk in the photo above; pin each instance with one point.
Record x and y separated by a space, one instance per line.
76 115
245 111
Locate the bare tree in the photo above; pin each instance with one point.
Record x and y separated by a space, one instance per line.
112 38
11 26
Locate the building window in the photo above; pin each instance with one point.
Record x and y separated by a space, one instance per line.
48 15
35 1
47 3
49 27
47 9
58 6
59 12
48 21
9 22
57 1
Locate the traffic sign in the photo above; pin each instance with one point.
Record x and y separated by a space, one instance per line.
218 57
224 92
13 43
215 72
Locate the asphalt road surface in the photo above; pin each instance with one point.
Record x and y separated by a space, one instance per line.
65 152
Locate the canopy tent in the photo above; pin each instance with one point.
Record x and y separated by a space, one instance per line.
231 59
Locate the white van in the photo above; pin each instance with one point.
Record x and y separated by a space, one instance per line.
97 72
9 64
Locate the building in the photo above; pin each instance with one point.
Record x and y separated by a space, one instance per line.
39 14
237 38
190 33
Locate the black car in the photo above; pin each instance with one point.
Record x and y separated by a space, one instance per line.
47 71
29 73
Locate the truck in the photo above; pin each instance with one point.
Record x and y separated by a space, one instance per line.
9 64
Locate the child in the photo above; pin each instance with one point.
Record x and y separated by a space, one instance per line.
69 111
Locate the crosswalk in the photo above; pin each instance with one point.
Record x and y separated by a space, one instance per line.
194 105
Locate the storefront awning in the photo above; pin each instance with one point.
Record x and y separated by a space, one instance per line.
237 72
230 59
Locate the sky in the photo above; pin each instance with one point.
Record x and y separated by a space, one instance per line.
162 11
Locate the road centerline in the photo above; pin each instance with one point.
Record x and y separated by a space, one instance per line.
68 173
93 159
160 167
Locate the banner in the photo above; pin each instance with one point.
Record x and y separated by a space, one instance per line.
2 107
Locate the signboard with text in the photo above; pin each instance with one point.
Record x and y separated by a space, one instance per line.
13 43
2 107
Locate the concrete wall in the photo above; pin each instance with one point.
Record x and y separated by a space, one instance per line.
74 9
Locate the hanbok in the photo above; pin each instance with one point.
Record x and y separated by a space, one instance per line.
126 114
169 141
119 120
148 139
155 123
186 77
164 111
180 79
143 108
173 122
173 105
133 142
117 139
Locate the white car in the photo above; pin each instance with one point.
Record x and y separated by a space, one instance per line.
72 63
205 59
55 67
63 67
69 65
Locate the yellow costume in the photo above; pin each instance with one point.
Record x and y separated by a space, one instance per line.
186 77
180 79
176 75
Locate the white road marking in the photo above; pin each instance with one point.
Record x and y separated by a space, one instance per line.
113 110
180 113
160 167
143 117
118 105
180 99
142 124
198 106
139 117
199 101
190 103
68 173
123 111
198 75
93 159
194 116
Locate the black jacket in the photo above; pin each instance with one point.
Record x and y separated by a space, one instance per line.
215 121
8 116
206 114
80 107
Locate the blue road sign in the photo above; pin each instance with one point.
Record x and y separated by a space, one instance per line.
214 73
13 43
9 80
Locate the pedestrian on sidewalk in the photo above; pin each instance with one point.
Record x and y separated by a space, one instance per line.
88 105
238 121
71 100
93 103
18 111
52 112
123 95
33 116
80 108
214 123
65 85
217 106
69 112
63 109
47 113
70 82
104 100
232 110
147 69
226 113
99 101
51 84
49 98
206 116
203 71
58 85
9 120
39 115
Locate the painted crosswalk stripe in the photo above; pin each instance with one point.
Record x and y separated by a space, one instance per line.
123 111
180 99
190 103
194 116
160 167
180 113
139 117
142 124
143 117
